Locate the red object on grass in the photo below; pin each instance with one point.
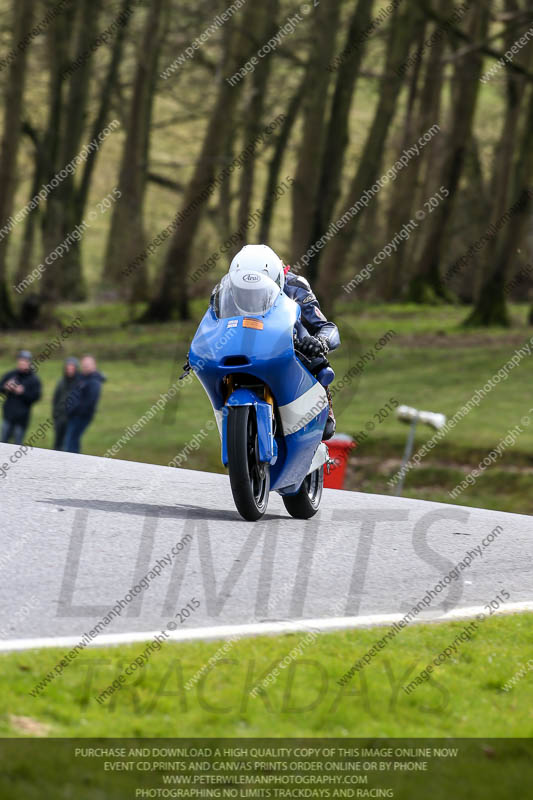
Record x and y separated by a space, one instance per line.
339 450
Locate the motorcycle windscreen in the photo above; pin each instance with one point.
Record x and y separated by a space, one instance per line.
239 294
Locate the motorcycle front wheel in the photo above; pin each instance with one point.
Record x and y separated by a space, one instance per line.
305 504
249 478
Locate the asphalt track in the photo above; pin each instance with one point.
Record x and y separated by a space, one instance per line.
78 532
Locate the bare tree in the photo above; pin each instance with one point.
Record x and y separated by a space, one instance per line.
70 99
127 236
16 78
274 167
173 290
46 143
490 308
426 285
337 136
305 190
399 39
266 27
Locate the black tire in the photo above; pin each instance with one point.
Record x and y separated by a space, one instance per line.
305 504
250 480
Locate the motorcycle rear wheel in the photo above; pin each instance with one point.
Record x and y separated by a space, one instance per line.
249 479
306 503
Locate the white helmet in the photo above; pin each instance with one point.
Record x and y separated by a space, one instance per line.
259 258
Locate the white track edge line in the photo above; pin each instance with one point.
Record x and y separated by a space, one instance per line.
258 628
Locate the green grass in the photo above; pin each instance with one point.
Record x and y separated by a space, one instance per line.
431 363
464 697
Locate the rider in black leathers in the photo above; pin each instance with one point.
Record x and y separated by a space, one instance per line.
316 335
322 335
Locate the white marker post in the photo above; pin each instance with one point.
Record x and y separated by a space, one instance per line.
413 416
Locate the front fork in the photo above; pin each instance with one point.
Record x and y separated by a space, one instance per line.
268 448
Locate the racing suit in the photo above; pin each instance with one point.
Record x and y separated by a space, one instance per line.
313 323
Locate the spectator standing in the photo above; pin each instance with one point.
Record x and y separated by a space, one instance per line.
22 388
65 386
82 404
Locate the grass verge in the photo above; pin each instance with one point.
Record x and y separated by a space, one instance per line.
465 697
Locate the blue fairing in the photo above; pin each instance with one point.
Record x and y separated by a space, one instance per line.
268 448
224 347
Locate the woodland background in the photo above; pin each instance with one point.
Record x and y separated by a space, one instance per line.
196 165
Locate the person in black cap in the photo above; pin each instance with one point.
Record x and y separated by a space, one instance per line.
64 389
21 388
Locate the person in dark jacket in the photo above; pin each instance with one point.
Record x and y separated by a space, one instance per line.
21 388
82 404
63 390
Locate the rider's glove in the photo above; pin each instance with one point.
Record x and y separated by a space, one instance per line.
314 346
324 341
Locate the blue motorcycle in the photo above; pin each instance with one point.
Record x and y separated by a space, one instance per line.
269 400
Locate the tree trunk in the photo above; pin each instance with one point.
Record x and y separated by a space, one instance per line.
15 83
422 104
429 168
399 39
28 237
108 87
266 25
305 190
337 137
173 291
58 41
64 279
490 308
274 168
224 215
469 223
126 236
426 285
500 190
